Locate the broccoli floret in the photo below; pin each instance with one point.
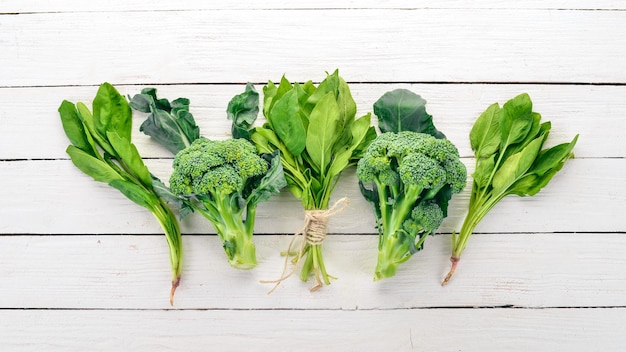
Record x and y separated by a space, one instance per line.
221 180
409 177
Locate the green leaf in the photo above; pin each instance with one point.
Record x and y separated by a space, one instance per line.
269 92
136 193
130 156
549 158
322 132
484 168
74 128
287 124
87 119
516 120
243 110
92 166
485 134
179 202
271 183
516 166
111 112
402 110
171 125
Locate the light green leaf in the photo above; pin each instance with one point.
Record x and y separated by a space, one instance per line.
111 112
135 193
322 132
485 134
483 171
92 166
516 165
516 120
130 156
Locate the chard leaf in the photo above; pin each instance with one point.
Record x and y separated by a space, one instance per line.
111 112
402 110
92 166
287 124
179 202
485 134
243 110
322 133
171 125
129 155
271 183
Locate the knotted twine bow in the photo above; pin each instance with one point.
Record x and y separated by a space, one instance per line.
314 233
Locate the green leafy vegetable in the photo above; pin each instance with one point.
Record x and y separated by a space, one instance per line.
315 130
101 148
507 143
170 124
224 181
409 174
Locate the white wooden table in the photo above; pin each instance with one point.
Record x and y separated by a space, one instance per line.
84 269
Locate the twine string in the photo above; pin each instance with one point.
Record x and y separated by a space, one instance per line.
313 232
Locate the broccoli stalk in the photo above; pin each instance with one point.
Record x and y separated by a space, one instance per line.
412 177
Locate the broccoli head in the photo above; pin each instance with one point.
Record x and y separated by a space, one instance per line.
224 181
409 177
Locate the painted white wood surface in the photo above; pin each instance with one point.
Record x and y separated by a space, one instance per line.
82 268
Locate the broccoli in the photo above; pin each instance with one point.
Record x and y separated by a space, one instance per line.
224 181
412 177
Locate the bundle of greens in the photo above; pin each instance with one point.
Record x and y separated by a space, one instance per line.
318 137
224 181
409 174
507 144
101 148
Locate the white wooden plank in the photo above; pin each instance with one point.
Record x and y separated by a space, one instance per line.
48 197
132 272
29 6
32 128
438 45
403 330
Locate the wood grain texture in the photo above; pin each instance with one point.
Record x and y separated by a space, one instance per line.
82 268
132 272
230 46
399 330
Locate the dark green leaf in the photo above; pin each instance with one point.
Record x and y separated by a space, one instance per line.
92 166
287 124
243 110
74 128
179 202
402 110
271 183
111 112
